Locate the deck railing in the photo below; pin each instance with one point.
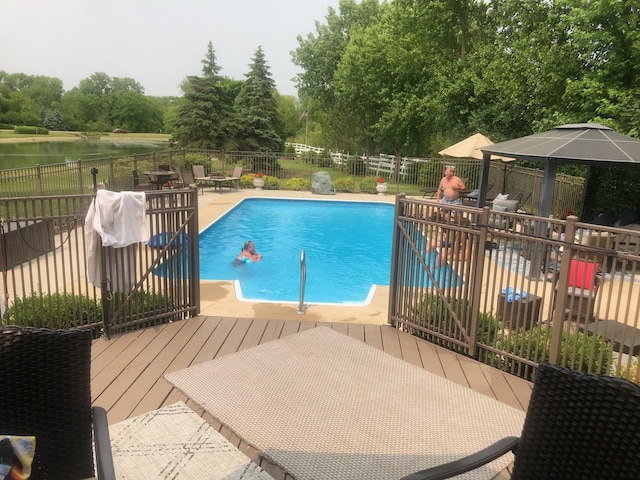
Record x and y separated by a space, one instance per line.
507 288
44 266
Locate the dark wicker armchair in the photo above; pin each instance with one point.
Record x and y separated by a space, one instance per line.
578 425
46 393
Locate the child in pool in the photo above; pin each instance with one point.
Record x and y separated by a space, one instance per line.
248 254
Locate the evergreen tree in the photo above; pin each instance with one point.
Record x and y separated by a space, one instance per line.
53 120
205 115
257 122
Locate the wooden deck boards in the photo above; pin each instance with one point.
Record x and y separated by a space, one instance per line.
127 371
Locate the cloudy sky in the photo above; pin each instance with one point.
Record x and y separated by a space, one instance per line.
155 42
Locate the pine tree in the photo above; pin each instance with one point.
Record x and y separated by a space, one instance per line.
204 120
257 118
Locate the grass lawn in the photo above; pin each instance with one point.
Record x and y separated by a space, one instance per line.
8 136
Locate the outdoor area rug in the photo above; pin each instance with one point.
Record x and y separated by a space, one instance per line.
175 443
325 406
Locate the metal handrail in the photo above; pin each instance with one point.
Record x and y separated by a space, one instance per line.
303 280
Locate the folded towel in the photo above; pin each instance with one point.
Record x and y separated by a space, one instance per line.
513 295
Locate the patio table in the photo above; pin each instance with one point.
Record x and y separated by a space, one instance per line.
160 178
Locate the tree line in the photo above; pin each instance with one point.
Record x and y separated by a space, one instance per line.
214 111
411 77
417 75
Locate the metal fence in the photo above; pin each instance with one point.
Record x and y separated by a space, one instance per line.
513 289
43 241
350 173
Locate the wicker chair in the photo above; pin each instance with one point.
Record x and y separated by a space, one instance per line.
46 393
577 425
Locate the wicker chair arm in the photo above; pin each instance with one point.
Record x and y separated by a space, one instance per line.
467 463
104 459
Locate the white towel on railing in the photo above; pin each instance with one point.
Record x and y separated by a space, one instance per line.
118 220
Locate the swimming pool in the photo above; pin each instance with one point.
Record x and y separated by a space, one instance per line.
347 247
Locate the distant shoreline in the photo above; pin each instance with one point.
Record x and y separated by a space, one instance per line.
77 138
39 138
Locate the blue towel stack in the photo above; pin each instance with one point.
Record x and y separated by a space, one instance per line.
513 294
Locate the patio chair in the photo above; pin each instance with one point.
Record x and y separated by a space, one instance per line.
46 393
201 178
578 425
582 288
140 182
231 181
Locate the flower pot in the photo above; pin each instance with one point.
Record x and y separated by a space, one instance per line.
381 188
258 183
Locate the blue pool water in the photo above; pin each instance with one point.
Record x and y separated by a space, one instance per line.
347 247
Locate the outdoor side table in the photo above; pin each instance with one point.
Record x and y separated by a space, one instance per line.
519 313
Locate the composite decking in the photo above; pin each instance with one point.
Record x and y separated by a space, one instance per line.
127 370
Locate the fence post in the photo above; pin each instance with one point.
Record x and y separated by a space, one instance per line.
559 300
39 179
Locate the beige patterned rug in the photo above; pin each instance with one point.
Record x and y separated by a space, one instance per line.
324 406
175 443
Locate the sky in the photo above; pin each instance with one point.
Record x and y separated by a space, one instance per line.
158 43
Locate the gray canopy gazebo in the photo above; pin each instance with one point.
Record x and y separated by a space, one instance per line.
580 143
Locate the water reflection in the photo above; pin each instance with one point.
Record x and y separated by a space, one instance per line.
17 155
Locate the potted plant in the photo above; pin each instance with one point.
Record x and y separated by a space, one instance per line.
258 180
381 186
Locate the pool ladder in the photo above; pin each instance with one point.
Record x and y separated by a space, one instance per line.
303 279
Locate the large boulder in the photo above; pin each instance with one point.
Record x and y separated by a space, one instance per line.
321 184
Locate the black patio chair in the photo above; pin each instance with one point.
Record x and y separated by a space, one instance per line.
577 425
46 392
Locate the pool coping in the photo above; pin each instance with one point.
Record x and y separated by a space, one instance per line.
219 297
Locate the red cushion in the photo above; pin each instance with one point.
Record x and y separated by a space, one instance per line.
582 274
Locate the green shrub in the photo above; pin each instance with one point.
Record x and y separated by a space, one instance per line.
535 344
7 126
55 311
344 184
298 184
246 180
630 372
191 159
28 130
271 182
368 185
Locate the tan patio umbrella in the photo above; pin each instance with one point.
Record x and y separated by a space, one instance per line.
470 148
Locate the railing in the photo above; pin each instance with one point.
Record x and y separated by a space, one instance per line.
43 241
116 173
504 288
303 281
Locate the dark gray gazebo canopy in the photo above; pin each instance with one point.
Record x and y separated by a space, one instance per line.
583 143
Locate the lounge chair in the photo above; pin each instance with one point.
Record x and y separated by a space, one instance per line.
46 393
578 425
512 194
472 196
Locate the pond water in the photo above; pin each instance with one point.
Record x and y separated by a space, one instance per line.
25 154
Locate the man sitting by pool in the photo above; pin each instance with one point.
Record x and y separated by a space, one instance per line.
248 253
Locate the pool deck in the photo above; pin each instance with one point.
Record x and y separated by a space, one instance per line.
218 297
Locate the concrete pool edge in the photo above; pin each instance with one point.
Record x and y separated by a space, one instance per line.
218 297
